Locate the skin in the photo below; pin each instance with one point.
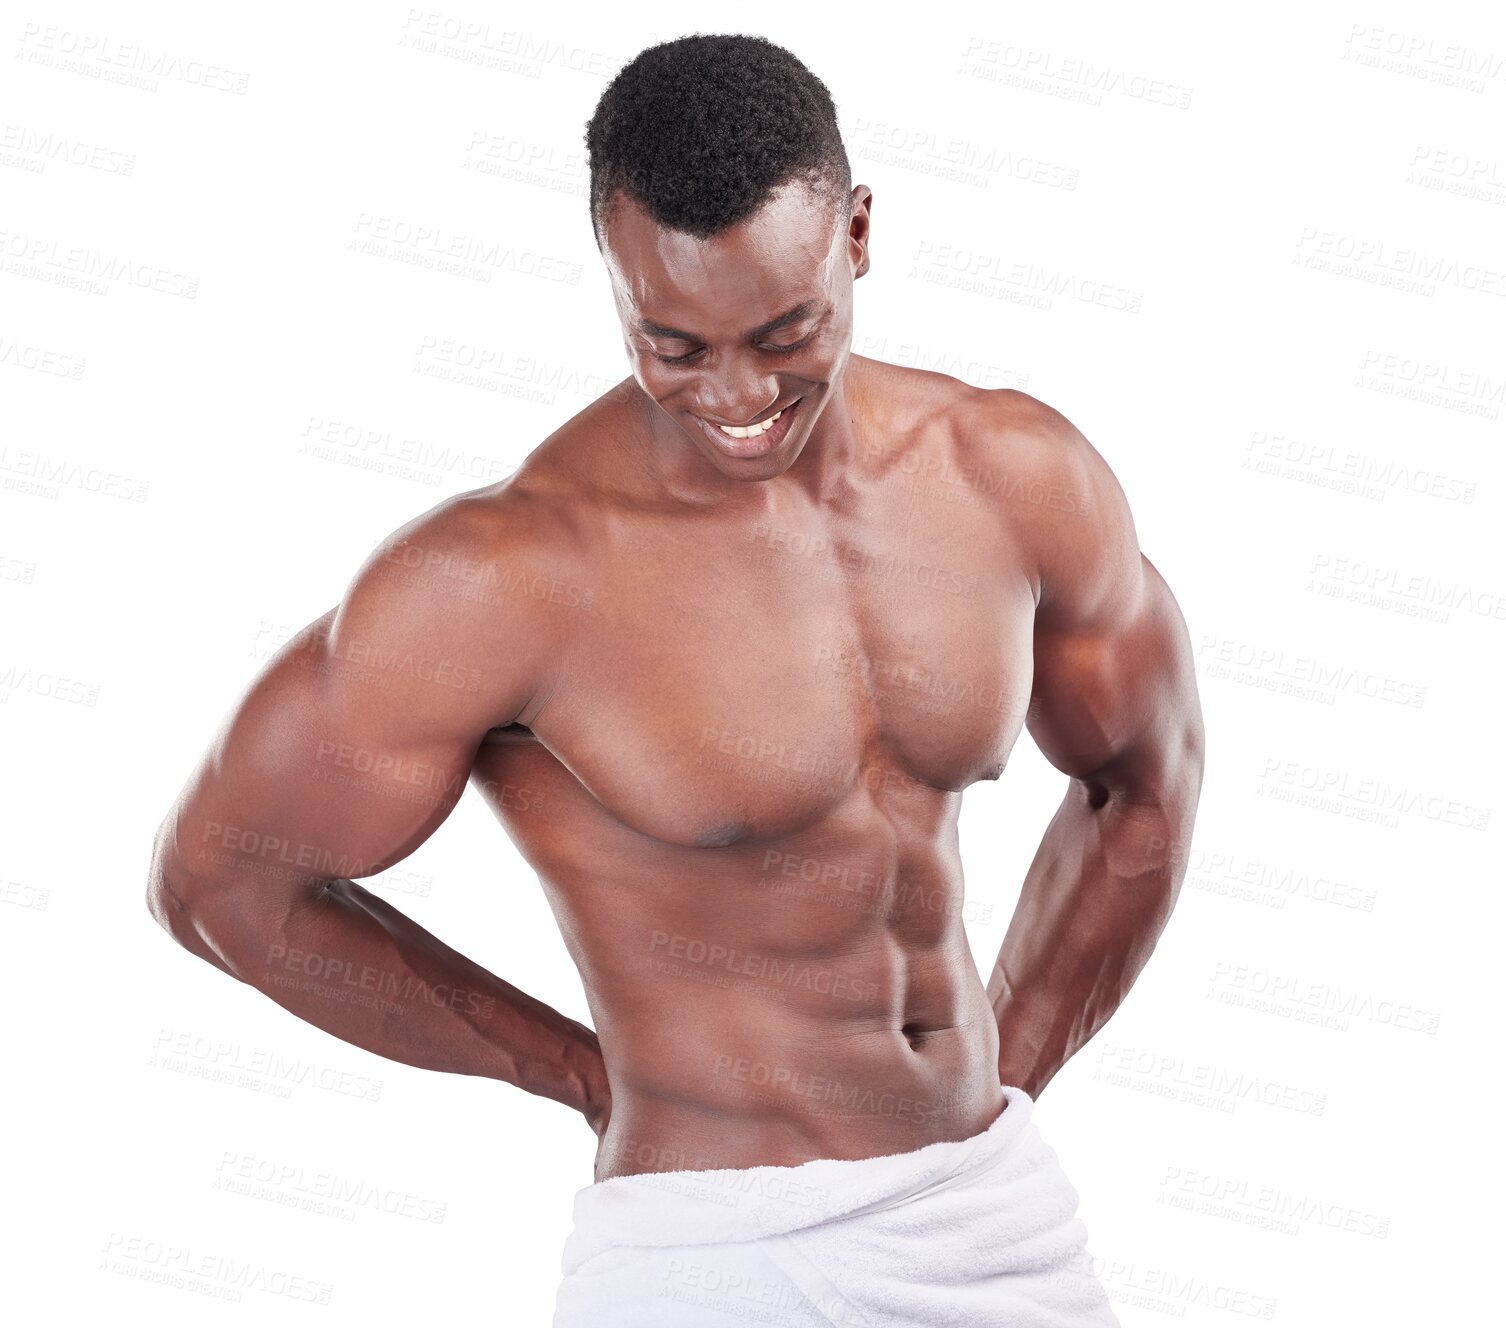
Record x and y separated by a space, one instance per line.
726 709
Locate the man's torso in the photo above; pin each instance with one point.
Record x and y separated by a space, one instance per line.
741 787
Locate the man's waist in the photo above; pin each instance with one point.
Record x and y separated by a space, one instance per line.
781 1106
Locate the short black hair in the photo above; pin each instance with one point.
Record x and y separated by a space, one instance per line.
700 130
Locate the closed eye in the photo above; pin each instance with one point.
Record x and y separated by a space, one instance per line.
777 350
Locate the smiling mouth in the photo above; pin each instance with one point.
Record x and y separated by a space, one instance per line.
753 439
754 429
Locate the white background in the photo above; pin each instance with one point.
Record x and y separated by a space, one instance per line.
1261 267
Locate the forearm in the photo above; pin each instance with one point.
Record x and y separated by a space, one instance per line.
348 962
1094 903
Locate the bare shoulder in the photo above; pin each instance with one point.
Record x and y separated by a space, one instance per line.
1058 496
1113 693
477 595
908 398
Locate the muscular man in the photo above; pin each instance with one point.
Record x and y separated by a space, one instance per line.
722 656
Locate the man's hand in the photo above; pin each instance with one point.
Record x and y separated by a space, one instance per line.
598 1108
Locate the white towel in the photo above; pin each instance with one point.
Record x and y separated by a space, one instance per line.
971 1233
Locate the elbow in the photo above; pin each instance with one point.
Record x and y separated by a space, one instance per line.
1179 778
169 903
1191 751
1178 765
166 899
1147 816
172 898
1162 773
162 902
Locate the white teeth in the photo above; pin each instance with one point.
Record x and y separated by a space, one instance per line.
753 430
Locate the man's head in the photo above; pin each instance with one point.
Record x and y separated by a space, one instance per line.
723 205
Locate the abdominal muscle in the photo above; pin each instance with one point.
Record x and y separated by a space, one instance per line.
749 1015
770 1045
798 1090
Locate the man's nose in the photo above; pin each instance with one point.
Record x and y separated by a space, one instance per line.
739 403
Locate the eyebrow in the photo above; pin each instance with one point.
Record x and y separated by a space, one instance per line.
802 310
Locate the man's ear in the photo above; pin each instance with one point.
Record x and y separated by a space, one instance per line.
858 229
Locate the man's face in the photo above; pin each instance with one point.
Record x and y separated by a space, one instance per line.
750 323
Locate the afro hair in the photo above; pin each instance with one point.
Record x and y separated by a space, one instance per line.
700 130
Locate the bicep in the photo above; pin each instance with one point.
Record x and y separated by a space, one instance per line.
1113 694
1113 700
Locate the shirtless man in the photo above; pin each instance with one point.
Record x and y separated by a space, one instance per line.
723 683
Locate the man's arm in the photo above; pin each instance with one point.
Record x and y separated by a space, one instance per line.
346 753
1114 705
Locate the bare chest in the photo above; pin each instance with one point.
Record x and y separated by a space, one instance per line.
731 681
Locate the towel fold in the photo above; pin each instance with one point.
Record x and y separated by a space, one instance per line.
957 1234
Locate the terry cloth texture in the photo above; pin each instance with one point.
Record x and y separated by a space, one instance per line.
971 1233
